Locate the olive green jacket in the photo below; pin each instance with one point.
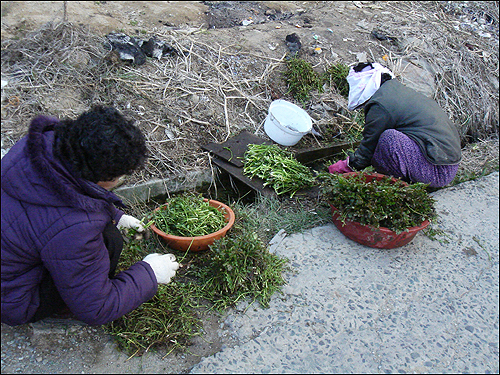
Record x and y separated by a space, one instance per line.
395 106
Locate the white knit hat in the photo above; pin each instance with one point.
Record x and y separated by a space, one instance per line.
363 84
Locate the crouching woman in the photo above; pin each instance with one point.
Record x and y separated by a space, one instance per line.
406 134
60 241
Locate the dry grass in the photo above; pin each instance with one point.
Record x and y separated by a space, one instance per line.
478 159
210 92
465 64
203 95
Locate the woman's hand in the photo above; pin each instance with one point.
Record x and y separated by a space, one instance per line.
164 266
127 221
341 166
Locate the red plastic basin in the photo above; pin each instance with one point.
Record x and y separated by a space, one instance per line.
381 238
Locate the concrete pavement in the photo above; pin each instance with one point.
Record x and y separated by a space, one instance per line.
427 307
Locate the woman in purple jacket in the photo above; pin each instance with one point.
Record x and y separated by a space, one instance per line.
60 227
406 134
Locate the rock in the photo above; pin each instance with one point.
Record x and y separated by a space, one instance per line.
194 99
157 49
418 79
128 48
136 50
78 59
361 56
276 240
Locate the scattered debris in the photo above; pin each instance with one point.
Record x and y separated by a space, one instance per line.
276 240
128 48
472 18
247 21
377 34
158 49
61 70
293 43
360 56
226 14
136 50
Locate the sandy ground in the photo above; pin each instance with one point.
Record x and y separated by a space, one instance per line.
427 307
128 16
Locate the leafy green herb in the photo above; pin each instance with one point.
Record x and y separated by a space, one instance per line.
379 203
436 234
168 318
241 266
278 168
336 76
231 151
236 267
301 79
188 216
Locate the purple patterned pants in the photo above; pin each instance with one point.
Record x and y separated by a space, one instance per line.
398 155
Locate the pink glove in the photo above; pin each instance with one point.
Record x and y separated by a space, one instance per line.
340 167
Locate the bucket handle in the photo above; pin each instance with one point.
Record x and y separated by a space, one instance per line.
284 126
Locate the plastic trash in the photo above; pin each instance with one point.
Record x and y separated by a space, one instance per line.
293 43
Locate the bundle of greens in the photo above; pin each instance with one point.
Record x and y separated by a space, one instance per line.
241 266
168 319
188 216
236 267
379 203
301 79
278 168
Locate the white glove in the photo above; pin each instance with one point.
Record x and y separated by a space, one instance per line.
127 221
164 266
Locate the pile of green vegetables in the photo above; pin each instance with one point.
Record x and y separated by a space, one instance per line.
379 203
302 79
236 267
241 266
278 168
188 216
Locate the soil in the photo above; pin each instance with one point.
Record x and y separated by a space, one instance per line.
232 72
341 29
107 16
218 25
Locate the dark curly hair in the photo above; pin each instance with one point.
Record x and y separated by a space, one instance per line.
100 145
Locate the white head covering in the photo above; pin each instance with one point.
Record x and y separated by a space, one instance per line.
363 84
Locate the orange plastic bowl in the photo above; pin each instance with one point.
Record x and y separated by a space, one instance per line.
381 238
198 243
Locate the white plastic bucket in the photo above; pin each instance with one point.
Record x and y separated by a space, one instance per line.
286 123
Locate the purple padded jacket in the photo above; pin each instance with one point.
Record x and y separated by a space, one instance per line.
53 222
